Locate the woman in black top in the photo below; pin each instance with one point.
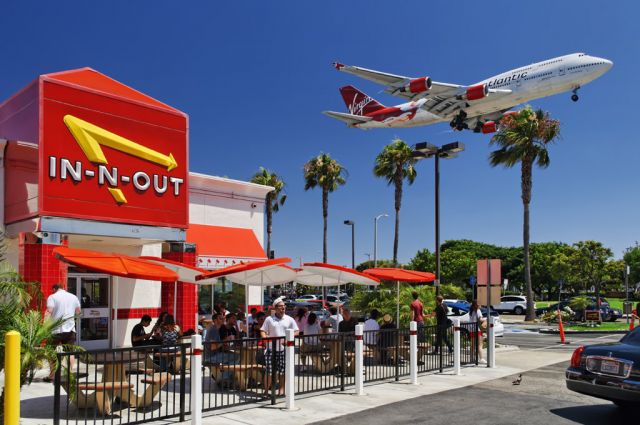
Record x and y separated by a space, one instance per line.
442 324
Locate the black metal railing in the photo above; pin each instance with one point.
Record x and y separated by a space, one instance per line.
122 386
134 385
242 371
324 362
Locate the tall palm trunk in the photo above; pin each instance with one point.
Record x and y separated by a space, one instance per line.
325 213
527 167
269 222
398 199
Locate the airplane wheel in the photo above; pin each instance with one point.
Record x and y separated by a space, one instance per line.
574 97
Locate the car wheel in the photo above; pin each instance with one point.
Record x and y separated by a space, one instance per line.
518 310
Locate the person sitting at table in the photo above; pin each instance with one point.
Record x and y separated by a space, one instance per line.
257 324
310 344
334 319
229 331
241 325
348 324
138 335
301 318
386 339
156 331
371 327
251 319
214 348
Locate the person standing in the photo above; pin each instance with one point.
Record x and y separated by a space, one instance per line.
275 326
442 324
475 316
417 314
61 305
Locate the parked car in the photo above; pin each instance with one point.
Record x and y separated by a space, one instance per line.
607 313
516 304
463 302
609 371
542 310
462 311
307 297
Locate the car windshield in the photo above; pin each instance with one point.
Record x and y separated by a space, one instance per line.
632 338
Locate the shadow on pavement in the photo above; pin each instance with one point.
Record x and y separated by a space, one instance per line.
597 414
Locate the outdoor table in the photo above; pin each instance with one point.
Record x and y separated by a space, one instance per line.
334 344
115 382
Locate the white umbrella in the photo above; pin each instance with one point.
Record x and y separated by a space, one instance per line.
323 275
186 273
258 273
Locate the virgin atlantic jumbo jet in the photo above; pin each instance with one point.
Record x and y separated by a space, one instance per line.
478 107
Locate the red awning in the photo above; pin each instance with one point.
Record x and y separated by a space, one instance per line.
262 273
225 242
401 275
115 264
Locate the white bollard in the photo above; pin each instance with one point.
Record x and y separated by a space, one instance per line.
289 374
359 360
196 379
413 353
456 346
491 344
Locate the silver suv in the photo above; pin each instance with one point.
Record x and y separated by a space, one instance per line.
516 304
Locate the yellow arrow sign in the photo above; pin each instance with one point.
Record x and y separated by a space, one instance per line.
90 137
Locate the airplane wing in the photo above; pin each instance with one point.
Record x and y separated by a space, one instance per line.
443 99
349 119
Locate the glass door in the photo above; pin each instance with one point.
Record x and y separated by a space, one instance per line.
93 325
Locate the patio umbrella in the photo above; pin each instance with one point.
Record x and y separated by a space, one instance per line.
400 275
258 273
115 265
323 275
186 273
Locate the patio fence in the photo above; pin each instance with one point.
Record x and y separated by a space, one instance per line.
141 384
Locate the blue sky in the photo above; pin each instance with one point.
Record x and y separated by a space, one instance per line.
254 77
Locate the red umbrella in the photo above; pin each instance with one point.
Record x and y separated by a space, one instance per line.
116 265
400 275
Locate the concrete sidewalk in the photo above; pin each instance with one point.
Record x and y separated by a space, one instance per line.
313 408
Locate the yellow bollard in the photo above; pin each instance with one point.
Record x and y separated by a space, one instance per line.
12 378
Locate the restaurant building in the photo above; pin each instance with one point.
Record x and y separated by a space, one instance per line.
88 162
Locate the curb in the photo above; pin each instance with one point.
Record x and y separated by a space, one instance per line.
571 332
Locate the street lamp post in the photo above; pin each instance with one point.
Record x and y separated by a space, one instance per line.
353 241
375 238
427 150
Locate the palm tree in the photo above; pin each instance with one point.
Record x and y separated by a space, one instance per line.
274 200
523 138
327 173
396 163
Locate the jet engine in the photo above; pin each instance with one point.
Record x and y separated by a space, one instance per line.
477 92
489 127
417 85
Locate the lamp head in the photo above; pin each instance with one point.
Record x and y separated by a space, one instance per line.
349 222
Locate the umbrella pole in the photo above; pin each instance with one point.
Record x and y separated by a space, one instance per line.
115 308
398 304
175 297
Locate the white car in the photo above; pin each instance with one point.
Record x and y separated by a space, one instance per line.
498 327
307 297
516 304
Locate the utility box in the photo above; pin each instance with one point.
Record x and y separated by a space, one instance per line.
627 307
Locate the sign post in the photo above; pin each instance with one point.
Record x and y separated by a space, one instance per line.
489 283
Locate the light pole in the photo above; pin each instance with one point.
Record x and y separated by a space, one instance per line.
427 150
375 238
353 241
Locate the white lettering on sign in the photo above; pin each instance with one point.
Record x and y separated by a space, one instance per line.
67 169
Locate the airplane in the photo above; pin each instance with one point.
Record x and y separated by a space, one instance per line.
479 107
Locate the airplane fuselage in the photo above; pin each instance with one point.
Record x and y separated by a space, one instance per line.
546 78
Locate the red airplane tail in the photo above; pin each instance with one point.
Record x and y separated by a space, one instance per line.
359 103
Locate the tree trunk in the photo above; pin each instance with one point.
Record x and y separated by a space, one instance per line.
398 201
526 199
325 213
269 222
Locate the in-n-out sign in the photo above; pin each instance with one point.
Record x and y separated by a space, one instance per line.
64 169
90 138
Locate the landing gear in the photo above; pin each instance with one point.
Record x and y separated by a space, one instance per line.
478 127
458 122
574 96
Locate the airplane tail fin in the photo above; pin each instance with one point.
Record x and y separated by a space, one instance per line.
357 102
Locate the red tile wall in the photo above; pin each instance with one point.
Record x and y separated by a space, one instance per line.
187 305
137 313
36 263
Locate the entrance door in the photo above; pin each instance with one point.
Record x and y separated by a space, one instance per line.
93 292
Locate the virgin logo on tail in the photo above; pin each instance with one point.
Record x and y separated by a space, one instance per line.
359 103
357 108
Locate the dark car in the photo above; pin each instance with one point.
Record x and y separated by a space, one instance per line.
553 307
608 371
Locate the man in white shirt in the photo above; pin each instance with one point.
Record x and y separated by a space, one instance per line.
371 327
63 305
275 326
